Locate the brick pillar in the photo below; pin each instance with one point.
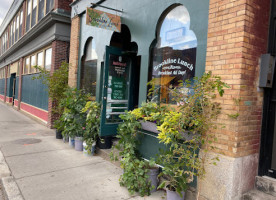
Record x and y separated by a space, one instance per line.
237 36
63 4
21 64
74 51
60 53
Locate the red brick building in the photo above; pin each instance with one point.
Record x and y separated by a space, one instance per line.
34 32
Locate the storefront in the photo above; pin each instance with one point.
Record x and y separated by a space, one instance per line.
123 45
176 40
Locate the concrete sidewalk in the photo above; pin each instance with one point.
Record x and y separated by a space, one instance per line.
36 166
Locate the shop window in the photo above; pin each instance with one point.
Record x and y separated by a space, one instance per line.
89 68
28 19
27 65
18 69
33 63
49 5
48 59
173 54
40 9
34 12
40 59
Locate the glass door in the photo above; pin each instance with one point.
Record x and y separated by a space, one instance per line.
116 90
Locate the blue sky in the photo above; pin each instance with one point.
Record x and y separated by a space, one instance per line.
4 7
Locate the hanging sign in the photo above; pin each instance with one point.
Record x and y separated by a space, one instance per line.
103 20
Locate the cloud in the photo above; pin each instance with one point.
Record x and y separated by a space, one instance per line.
4 8
180 13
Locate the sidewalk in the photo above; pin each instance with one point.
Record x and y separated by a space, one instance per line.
45 168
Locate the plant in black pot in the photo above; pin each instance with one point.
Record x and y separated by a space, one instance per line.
92 110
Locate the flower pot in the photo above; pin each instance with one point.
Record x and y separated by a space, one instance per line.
93 149
78 143
105 144
65 139
153 177
173 195
58 134
71 142
149 126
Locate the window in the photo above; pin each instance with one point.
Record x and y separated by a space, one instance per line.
41 9
173 54
17 27
34 13
89 68
40 59
27 65
20 26
49 5
48 59
28 19
33 63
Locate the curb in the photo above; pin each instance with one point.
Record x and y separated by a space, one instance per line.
9 186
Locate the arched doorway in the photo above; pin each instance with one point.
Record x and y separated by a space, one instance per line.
120 80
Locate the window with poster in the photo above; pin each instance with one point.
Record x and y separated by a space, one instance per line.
173 54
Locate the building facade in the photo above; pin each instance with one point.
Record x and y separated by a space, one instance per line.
34 32
175 40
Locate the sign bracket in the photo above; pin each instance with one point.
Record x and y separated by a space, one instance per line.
95 5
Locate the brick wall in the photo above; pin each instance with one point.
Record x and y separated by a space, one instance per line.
63 4
74 51
237 36
60 53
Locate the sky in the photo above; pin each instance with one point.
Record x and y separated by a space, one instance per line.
4 8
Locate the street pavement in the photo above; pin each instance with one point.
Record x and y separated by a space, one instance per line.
44 168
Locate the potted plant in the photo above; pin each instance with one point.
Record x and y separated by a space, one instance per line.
197 112
57 83
92 110
150 115
139 175
73 118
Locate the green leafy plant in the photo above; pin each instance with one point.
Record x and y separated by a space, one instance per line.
57 84
135 177
73 118
187 132
93 111
150 111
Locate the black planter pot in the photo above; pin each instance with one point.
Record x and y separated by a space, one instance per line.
58 134
104 142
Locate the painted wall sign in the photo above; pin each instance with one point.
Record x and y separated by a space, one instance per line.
103 20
